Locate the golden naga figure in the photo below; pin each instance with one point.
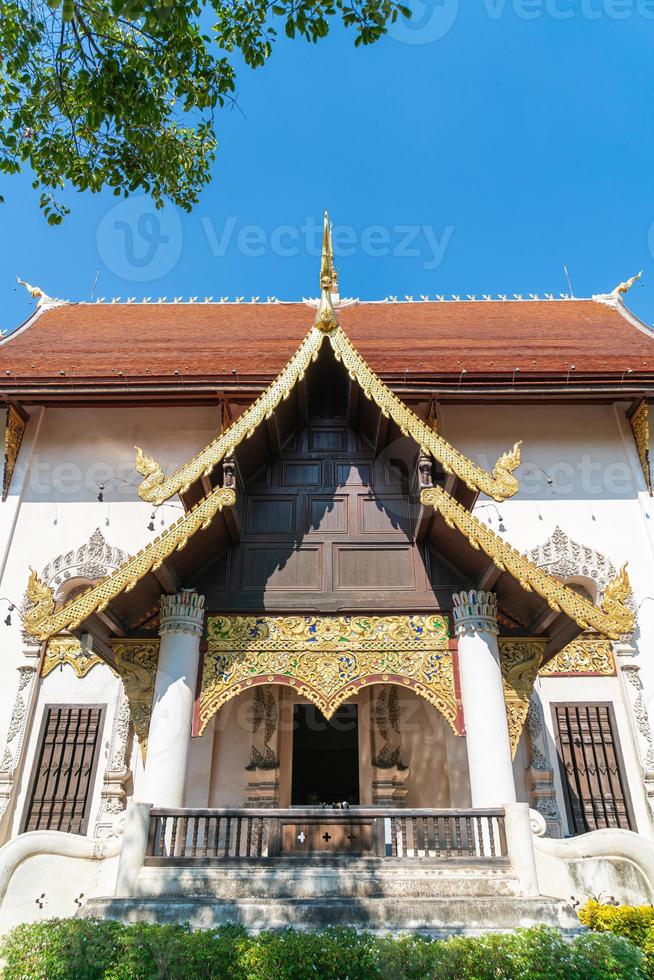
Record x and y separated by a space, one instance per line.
505 482
615 602
150 469
42 599
613 618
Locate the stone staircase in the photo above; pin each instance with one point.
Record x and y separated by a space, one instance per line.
377 895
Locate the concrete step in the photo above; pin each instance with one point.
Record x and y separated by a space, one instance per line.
438 917
276 879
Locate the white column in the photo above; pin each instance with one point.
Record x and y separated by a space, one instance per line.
482 694
174 694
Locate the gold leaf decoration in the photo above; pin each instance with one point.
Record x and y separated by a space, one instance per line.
42 602
586 655
67 650
327 659
614 604
156 488
500 484
136 662
326 319
613 619
639 421
519 660
42 621
15 426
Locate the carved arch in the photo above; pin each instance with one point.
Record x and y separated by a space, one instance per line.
327 659
215 696
579 564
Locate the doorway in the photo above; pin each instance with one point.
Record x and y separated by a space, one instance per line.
325 756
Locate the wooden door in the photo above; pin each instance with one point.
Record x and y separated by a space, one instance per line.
592 770
62 781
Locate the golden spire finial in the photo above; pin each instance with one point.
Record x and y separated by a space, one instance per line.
326 316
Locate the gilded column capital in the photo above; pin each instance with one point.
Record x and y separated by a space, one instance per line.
474 612
182 613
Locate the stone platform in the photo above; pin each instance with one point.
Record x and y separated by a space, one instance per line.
437 917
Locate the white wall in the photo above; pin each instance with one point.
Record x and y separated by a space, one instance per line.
598 498
61 686
52 508
554 690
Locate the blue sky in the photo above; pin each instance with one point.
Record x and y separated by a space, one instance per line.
476 151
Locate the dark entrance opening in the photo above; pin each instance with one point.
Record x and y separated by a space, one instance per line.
325 756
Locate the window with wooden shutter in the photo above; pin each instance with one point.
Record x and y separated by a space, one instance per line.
592 770
64 769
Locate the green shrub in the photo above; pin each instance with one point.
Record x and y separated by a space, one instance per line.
634 922
328 954
533 954
60 949
74 949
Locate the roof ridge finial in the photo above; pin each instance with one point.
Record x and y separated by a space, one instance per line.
326 319
37 293
615 296
625 286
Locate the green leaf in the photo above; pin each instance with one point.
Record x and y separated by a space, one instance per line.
122 94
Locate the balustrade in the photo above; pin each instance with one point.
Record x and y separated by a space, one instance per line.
207 836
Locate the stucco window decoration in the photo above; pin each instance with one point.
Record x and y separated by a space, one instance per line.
92 560
591 655
62 650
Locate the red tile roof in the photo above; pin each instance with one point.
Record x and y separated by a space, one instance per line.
222 343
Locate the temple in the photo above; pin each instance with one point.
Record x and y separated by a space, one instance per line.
358 631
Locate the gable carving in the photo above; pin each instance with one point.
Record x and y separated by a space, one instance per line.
568 559
92 560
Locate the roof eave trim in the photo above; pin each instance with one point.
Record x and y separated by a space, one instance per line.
500 484
43 621
616 303
613 618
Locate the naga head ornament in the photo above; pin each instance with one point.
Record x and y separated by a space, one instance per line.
42 602
151 470
615 603
506 483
